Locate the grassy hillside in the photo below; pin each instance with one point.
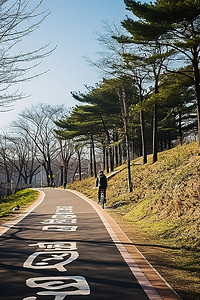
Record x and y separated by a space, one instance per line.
163 209
165 198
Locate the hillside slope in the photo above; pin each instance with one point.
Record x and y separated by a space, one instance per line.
165 197
162 214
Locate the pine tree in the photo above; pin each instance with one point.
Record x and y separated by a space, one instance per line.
175 24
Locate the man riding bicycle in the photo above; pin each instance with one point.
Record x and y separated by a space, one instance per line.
101 183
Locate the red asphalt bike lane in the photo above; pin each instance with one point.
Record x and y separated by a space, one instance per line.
67 247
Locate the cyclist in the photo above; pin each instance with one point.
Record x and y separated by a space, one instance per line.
101 183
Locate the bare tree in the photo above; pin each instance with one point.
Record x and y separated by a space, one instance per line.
24 158
5 155
18 19
66 152
38 124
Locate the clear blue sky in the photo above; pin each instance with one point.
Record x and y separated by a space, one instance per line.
71 26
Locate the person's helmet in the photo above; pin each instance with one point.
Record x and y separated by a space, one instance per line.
101 172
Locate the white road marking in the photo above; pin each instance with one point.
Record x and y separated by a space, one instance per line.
65 257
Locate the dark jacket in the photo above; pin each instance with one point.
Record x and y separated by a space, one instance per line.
101 181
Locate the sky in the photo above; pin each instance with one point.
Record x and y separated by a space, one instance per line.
72 26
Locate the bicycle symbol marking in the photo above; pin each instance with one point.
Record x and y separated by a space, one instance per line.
49 260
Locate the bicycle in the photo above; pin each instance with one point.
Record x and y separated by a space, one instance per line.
102 198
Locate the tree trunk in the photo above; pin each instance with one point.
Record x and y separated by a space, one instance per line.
144 148
50 173
94 157
79 165
197 89
91 165
30 179
111 159
155 134
142 128
108 143
130 187
8 179
180 129
169 141
47 175
120 154
104 157
66 173
107 161
75 171
155 122
116 156
125 116
61 175
115 150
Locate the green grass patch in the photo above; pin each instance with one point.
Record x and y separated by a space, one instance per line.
21 198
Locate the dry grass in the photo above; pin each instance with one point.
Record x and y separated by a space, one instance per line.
164 211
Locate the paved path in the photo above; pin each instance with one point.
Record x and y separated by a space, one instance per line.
67 247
